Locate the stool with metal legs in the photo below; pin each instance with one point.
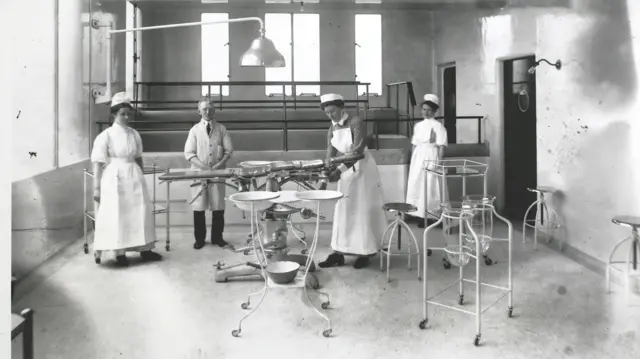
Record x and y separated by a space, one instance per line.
400 210
543 218
631 269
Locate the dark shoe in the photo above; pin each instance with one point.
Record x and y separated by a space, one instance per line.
222 244
122 261
420 223
333 260
150 256
198 245
361 262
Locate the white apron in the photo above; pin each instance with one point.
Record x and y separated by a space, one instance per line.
124 218
359 220
425 151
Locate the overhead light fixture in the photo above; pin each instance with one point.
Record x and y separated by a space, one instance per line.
532 69
262 53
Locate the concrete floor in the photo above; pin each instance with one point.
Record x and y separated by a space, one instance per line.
174 309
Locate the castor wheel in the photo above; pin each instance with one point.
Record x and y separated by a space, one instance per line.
510 312
97 260
488 261
429 252
304 251
86 248
235 332
246 252
461 300
476 342
327 333
446 263
167 248
325 305
423 324
244 305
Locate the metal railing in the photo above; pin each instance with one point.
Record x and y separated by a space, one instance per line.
408 99
282 100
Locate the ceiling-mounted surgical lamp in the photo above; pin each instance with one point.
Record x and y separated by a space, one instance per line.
262 53
532 69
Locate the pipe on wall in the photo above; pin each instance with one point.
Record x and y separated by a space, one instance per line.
56 84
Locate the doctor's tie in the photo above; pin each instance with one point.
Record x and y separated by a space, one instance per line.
208 129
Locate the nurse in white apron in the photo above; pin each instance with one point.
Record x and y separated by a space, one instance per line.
429 139
359 220
124 218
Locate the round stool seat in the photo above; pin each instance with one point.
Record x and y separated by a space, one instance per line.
542 189
399 207
627 221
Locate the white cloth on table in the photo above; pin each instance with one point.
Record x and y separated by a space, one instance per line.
124 218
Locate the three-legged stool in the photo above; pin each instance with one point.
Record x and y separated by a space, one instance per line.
631 262
542 218
400 210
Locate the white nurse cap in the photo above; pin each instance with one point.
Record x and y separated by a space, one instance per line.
331 97
120 98
432 98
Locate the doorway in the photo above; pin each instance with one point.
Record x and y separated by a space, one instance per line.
520 158
449 101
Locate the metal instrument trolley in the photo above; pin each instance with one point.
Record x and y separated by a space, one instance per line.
472 219
157 209
446 169
258 201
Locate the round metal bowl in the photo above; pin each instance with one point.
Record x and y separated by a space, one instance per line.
319 195
282 272
286 197
261 200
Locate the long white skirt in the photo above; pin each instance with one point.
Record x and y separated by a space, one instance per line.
124 218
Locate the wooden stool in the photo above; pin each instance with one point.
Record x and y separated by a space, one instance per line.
632 252
542 217
23 324
400 210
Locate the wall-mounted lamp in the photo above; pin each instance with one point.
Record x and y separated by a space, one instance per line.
532 69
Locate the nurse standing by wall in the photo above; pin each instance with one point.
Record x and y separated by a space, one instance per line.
429 139
124 219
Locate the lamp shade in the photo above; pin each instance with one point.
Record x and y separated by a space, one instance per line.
262 53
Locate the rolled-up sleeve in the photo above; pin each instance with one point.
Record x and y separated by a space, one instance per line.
227 144
191 146
139 148
441 135
331 151
359 132
99 153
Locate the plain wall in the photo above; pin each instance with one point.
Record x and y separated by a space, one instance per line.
53 112
587 113
174 54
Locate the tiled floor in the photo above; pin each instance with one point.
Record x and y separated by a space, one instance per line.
174 309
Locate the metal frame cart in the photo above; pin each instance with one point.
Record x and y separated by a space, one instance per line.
445 169
460 254
157 209
256 202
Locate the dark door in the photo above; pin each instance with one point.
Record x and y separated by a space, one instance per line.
449 93
520 157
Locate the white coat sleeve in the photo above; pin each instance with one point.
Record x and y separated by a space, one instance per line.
100 153
441 135
191 146
139 149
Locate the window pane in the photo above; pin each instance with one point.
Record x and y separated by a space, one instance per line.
215 53
369 52
306 47
278 29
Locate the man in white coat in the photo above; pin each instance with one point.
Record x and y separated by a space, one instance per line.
359 220
429 139
208 147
